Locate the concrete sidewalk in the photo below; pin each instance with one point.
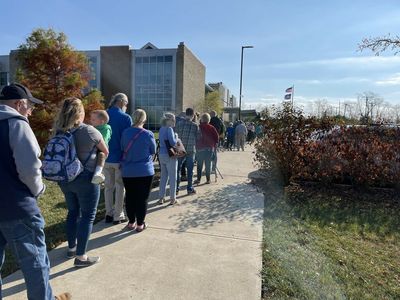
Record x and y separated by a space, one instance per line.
208 247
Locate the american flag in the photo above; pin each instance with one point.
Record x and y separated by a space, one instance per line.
289 90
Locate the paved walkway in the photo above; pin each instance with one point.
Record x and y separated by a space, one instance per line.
208 247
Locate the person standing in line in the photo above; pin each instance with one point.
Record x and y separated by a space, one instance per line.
169 165
240 135
138 146
259 130
21 222
206 145
188 132
219 126
99 119
230 136
81 195
119 121
178 119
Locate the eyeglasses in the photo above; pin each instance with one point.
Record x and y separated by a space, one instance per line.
29 105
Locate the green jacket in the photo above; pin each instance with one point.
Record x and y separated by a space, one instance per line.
105 131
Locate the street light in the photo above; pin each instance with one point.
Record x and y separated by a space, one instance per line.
241 74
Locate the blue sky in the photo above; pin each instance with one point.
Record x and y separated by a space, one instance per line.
311 44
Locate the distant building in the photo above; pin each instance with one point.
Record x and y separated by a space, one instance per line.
233 101
223 92
4 70
156 80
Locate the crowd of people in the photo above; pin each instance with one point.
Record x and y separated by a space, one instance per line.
114 150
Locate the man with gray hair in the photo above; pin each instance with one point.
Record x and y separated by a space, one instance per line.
119 121
21 222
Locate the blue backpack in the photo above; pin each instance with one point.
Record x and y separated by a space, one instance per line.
61 162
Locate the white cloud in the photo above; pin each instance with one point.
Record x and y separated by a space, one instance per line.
362 61
393 80
333 81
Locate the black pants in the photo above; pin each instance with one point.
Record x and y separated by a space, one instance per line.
137 193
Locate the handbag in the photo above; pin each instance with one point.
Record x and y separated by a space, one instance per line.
175 151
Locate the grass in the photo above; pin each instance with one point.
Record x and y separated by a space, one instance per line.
54 211
330 243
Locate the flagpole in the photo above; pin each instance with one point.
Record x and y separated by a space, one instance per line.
292 95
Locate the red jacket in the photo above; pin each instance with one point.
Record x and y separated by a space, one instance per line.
208 137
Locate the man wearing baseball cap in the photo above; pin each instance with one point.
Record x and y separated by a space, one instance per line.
21 223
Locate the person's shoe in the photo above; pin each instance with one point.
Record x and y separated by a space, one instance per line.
208 181
63 296
173 202
177 191
91 260
109 219
71 253
140 228
191 191
130 227
161 201
197 181
119 221
98 178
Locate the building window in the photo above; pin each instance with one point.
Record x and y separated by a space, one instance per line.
3 78
153 87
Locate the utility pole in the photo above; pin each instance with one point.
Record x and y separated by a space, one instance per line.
241 76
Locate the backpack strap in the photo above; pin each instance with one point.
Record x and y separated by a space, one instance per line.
130 144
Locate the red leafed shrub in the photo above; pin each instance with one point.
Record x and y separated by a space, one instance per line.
359 155
307 148
285 133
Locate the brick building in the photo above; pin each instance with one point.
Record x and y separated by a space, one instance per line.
156 80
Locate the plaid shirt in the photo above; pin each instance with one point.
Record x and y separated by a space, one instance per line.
188 132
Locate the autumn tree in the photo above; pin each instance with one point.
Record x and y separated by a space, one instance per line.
51 68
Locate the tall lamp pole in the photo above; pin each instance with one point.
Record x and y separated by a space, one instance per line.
241 75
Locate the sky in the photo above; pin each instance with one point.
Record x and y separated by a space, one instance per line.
311 44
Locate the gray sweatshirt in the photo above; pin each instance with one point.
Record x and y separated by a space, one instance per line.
25 149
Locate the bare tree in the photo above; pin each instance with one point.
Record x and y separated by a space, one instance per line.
369 106
381 44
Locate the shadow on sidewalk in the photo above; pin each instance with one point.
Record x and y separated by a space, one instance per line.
235 202
58 256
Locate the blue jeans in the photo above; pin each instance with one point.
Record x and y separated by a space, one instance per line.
189 159
82 198
204 157
27 242
168 171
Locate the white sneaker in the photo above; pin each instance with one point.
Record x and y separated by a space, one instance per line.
98 178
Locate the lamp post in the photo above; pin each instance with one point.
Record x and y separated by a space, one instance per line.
241 75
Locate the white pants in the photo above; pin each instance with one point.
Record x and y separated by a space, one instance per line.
113 182
169 168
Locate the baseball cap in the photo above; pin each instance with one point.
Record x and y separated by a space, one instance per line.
16 91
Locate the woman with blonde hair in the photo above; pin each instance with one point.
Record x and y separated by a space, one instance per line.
81 195
168 165
138 146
